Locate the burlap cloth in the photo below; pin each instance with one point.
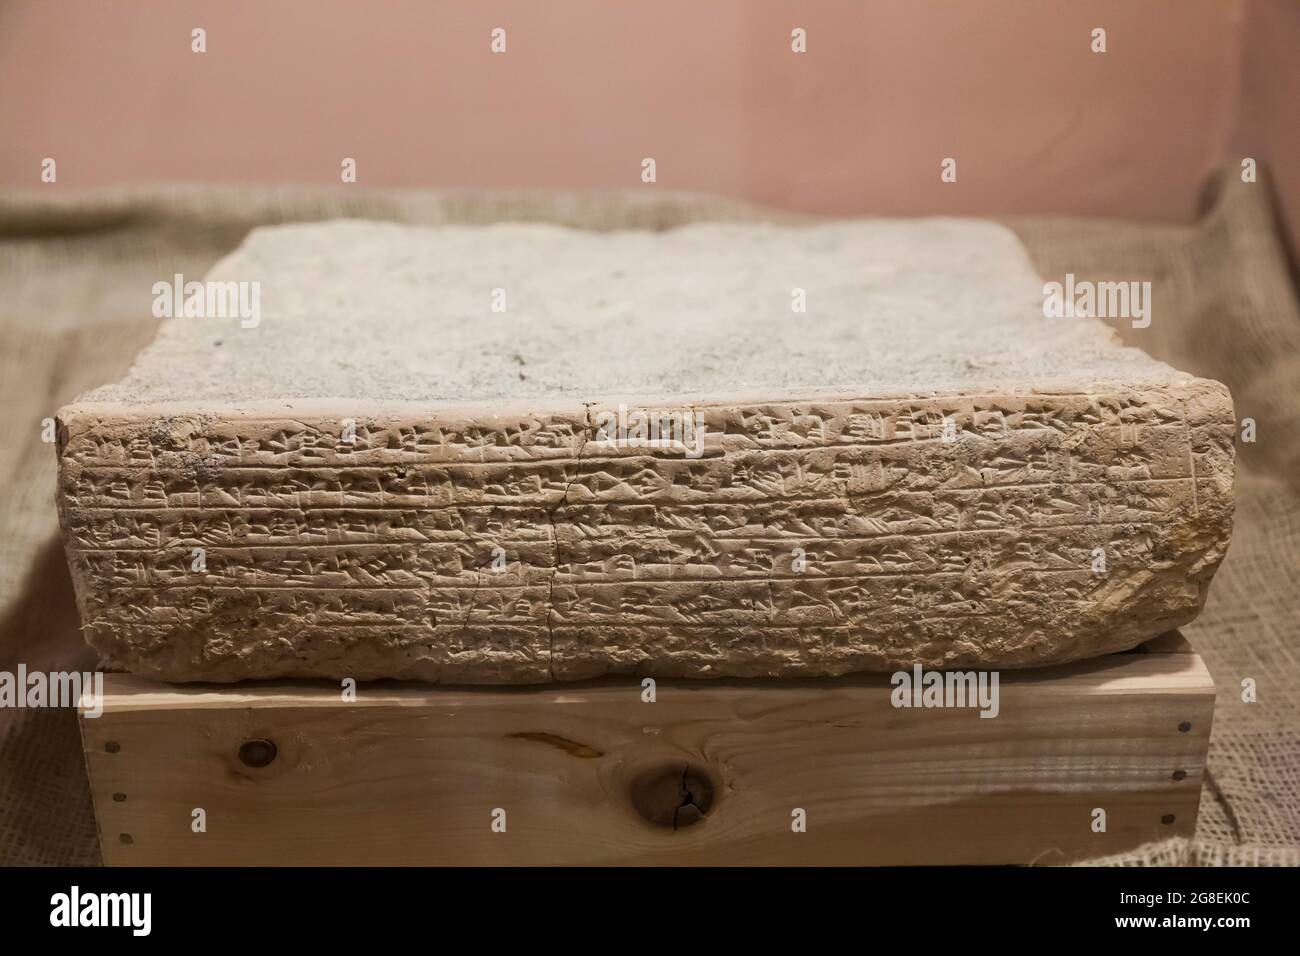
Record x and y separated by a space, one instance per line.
75 280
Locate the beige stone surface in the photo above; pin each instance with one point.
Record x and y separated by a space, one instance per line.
386 478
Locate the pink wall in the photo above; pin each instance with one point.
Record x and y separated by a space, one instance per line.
709 88
1268 116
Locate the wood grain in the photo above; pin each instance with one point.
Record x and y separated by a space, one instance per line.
412 774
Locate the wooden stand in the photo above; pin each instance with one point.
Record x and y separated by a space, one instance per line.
709 773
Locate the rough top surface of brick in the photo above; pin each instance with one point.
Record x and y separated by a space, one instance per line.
384 312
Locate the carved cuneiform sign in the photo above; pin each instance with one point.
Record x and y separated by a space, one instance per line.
399 483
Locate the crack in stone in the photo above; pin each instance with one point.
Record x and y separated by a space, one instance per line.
473 600
555 541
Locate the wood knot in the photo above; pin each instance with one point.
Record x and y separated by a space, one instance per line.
674 796
257 753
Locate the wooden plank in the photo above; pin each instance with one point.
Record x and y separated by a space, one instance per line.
412 774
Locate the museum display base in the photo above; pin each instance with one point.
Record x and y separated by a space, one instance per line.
1081 760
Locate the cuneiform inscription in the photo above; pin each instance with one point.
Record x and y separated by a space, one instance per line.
383 545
